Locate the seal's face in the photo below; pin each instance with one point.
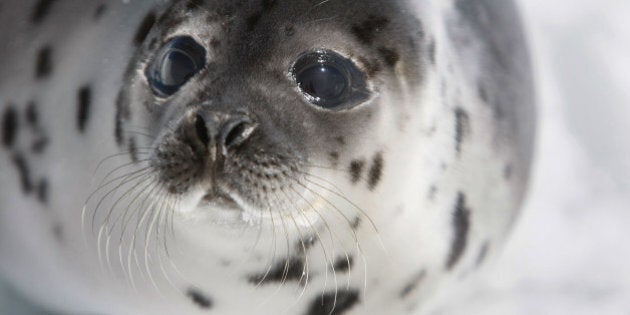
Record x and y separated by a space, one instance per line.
246 103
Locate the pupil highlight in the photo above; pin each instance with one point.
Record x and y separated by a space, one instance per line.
323 82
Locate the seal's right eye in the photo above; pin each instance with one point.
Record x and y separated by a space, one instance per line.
176 62
329 80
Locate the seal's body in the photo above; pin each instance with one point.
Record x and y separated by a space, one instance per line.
237 157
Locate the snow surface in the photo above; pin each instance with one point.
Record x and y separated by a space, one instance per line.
570 251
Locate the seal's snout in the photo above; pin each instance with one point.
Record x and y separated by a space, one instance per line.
200 146
222 130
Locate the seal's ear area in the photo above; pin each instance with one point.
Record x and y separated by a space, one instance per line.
329 81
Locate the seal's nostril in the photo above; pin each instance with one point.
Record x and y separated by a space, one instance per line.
236 132
232 136
202 130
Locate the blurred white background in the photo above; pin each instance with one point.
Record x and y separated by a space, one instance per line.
570 252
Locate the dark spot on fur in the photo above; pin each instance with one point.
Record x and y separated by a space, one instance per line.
57 231
462 125
40 144
24 172
168 22
355 224
226 11
483 94
341 140
31 114
343 264
122 114
308 243
118 132
461 225
252 20
432 192
215 43
376 171
133 149
194 5
356 170
84 102
367 31
42 8
431 51
292 269
371 67
483 253
325 305
268 4
153 43
100 10
43 66
390 56
199 298
9 126
42 191
413 284
289 30
334 158
144 28
507 172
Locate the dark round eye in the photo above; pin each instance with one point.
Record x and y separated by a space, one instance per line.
175 63
329 80
322 82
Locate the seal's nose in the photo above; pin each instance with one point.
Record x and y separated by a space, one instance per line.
221 129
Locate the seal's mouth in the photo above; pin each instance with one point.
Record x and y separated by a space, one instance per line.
220 199
223 206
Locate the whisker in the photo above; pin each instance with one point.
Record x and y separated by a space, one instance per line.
108 227
305 271
147 240
147 191
287 261
85 204
343 215
360 252
273 256
122 218
173 204
326 256
138 133
338 194
118 168
113 156
123 196
130 177
162 215
140 222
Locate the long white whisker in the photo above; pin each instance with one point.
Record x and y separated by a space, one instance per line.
332 236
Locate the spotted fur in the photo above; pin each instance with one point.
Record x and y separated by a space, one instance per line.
238 194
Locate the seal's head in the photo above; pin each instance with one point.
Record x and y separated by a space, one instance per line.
246 103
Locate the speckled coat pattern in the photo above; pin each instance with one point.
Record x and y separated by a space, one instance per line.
113 196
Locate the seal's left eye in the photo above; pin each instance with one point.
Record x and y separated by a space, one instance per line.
178 61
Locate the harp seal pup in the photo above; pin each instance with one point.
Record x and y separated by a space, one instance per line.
258 157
